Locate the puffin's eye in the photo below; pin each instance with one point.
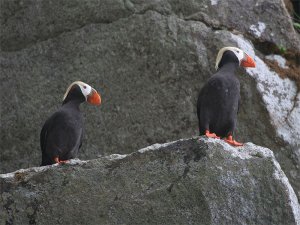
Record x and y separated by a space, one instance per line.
238 51
84 87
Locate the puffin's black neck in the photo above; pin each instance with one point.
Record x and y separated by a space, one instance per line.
72 104
230 68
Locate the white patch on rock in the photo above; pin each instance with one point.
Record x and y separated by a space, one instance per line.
41 168
293 200
279 95
214 2
158 146
76 162
247 151
116 156
155 147
227 147
21 171
250 150
258 29
279 59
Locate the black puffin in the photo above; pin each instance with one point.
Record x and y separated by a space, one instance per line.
219 99
61 135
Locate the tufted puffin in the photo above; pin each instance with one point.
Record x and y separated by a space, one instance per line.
61 135
218 100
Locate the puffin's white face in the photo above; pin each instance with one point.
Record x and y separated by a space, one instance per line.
90 94
85 88
239 53
244 59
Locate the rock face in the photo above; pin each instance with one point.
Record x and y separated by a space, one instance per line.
149 60
193 181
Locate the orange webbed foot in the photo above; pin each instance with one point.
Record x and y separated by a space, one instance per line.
211 135
56 159
232 142
63 161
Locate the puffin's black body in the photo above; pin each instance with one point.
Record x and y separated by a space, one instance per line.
61 135
218 100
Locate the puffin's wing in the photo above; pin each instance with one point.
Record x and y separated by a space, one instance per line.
43 135
43 142
51 126
205 91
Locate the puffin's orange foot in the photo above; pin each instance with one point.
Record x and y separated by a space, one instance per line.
56 159
63 161
232 142
211 135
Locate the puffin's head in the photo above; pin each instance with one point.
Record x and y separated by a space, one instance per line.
81 91
233 54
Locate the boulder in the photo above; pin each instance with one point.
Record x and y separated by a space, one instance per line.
191 181
149 60
26 23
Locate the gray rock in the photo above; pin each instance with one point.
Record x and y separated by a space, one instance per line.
26 22
149 60
192 181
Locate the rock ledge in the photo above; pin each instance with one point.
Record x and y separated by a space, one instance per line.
191 181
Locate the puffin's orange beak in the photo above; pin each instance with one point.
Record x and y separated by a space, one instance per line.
94 98
247 61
